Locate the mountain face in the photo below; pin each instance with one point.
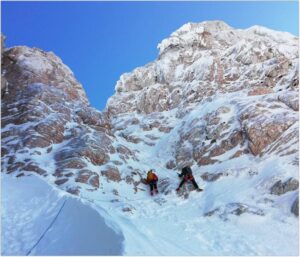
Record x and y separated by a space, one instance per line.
47 124
222 100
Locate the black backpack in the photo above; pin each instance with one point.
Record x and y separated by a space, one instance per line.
187 171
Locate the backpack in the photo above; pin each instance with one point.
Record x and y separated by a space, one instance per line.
187 171
151 177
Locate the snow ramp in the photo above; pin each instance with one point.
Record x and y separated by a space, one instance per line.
40 220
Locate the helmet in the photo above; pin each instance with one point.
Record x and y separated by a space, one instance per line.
150 171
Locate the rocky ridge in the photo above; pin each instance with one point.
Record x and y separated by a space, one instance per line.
48 126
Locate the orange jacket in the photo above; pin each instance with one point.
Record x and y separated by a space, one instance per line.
151 177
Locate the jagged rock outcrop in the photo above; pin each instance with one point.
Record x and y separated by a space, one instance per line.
200 59
204 60
24 66
46 115
112 173
237 209
210 177
280 187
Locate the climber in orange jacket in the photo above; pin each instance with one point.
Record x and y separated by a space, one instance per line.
152 181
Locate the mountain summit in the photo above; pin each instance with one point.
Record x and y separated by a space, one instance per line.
222 100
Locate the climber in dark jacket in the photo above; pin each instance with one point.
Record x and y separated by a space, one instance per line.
187 175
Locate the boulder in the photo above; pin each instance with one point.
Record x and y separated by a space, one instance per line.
61 181
74 190
280 187
237 209
88 177
111 173
210 177
34 168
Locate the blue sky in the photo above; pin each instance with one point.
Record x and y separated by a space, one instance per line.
101 40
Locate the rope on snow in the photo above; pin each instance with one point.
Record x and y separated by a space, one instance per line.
51 224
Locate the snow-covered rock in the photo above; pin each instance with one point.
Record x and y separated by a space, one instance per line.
203 59
222 100
48 126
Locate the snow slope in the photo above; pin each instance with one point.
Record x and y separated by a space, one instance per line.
40 220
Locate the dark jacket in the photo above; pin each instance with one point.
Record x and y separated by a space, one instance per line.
186 173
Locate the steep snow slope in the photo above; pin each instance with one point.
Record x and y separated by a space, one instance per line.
39 220
224 101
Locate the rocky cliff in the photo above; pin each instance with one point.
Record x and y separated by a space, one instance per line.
222 100
215 93
48 126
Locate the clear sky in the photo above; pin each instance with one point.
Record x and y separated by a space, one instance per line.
101 40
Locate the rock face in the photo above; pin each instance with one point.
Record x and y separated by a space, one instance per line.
25 66
280 187
211 177
200 59
214 95
46 114
112 173
234 209
209 59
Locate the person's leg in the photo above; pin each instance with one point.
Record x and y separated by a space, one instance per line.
181 183
151 187
195 183
155 187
